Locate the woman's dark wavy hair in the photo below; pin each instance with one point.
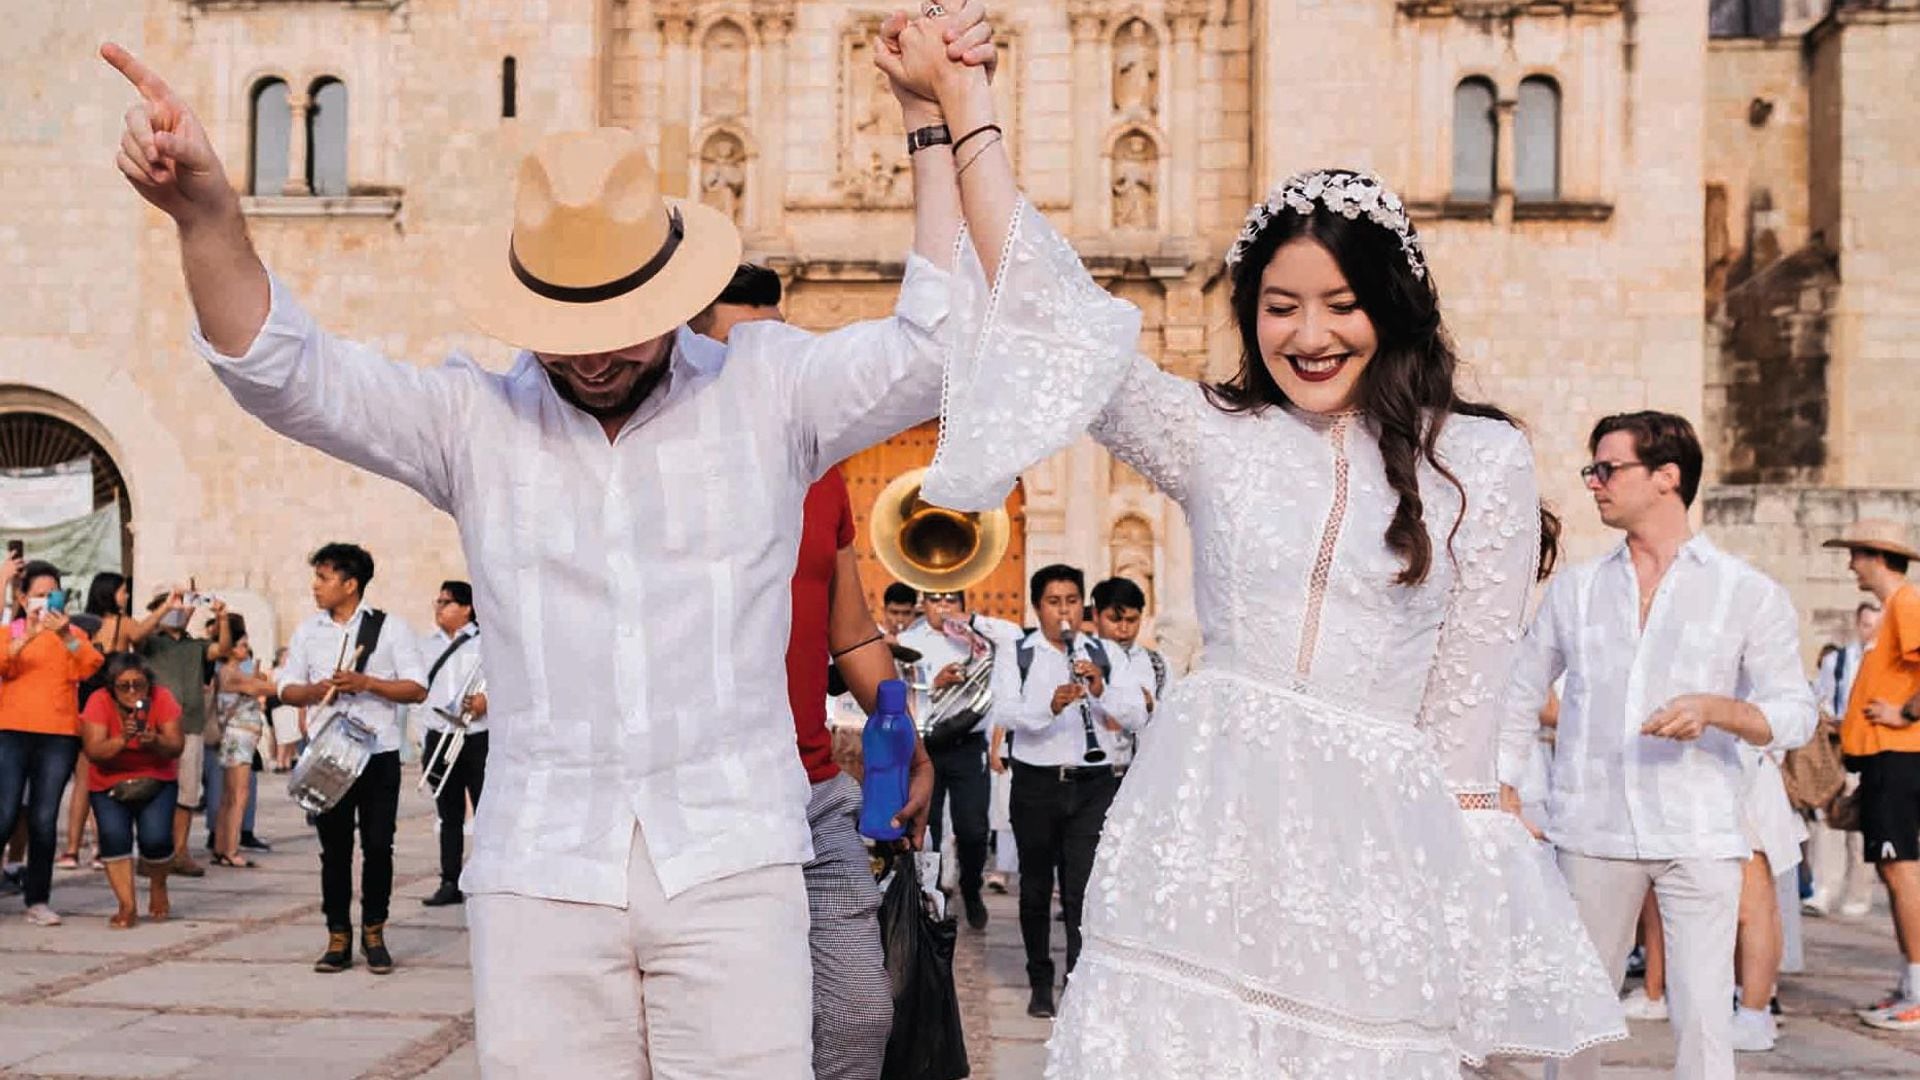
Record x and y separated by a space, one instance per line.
1411 377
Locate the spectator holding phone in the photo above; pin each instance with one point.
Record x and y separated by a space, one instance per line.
130 730
107 620
181 663
46 659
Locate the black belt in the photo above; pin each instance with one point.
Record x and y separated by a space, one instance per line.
1072 774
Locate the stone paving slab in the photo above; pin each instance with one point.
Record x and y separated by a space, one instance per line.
28 1031
283 987
29 971
424 945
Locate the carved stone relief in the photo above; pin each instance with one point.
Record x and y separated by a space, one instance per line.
1135 183
723 174
1136 70
873 138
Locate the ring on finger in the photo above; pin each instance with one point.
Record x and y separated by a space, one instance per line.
933 11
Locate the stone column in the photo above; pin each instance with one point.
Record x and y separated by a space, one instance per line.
675 18
1183 114
1089 84
774 18
298 106
1503 160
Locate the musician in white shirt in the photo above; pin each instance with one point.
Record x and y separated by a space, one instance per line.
1119 605
455 692
333 673
948 638
1072 724
1675 653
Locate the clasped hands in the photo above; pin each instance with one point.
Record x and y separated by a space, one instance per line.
936 54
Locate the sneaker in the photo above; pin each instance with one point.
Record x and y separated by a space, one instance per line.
254 843
447 893
1754 1030
1040 1005
1637 962
42 915
976 910
373 942
1639 1006
1817 906
1854 909
339 954
1902 1016
997 883
1887 1001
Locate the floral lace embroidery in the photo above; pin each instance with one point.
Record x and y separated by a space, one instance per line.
1329 540
1478 800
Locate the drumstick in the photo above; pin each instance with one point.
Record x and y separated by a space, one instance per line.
332 690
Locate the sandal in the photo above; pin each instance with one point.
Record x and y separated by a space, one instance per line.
68 861
237 862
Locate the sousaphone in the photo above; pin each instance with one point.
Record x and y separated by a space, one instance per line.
934 549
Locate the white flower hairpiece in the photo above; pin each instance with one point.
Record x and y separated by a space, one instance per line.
1348 194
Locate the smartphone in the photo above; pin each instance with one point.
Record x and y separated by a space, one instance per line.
57 600
17 548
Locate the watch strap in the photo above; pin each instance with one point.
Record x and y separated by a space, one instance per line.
932 135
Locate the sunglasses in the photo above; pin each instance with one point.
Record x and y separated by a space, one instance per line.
942 597
1603 470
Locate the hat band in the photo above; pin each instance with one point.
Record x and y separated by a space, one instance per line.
594 294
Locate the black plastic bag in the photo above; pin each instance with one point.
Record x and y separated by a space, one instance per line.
927 1041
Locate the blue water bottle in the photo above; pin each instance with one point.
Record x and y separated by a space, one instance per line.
887 744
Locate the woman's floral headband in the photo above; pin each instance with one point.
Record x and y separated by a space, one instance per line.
1348 194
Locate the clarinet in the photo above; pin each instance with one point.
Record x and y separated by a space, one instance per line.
1093 754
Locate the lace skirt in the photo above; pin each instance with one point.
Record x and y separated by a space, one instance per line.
1285 889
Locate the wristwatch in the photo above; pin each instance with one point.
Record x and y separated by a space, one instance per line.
1907 714
933 135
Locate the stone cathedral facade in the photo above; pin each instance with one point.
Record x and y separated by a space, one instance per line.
1627 204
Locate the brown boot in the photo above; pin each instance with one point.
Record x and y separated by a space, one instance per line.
373 942
339 954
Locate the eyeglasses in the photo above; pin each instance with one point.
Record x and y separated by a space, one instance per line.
131 684
1603 470
942 598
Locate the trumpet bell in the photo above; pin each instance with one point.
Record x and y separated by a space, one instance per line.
932 548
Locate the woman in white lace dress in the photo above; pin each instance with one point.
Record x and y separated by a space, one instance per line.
1307 872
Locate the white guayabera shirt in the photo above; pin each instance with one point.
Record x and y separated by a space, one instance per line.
314 653
1716 626
632 589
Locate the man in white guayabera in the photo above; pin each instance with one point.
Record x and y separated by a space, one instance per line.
1674 654
635 883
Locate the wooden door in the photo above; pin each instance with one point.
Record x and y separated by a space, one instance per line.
1002 594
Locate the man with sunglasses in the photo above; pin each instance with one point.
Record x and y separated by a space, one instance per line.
1682 663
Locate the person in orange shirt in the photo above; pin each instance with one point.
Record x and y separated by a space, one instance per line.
46 659
1880 736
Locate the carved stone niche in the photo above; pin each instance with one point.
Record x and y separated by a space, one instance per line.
724 53
1136 70
723 173
1135 182
1130 553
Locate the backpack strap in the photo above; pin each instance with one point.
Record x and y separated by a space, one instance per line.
1024 654
368 638
1097 652
447 655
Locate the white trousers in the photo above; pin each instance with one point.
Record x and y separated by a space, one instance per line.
1700 912
714 984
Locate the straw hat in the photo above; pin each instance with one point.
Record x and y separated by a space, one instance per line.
597 259
1876 534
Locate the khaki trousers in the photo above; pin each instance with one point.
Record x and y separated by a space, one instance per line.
1700 909
714 984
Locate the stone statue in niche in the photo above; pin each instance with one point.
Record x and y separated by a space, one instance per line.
1135 179
723 71
1130 553
1136 70
723 174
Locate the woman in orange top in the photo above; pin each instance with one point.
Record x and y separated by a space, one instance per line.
39 723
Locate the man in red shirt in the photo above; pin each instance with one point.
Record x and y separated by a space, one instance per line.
852 995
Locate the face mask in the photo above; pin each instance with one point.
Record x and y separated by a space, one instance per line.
174 620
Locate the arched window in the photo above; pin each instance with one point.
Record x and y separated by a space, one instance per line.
1475 140
1536 141
271 127
327 138
509 88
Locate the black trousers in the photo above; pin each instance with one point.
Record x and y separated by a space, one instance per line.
960 774
469 776
1056 826
371 804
